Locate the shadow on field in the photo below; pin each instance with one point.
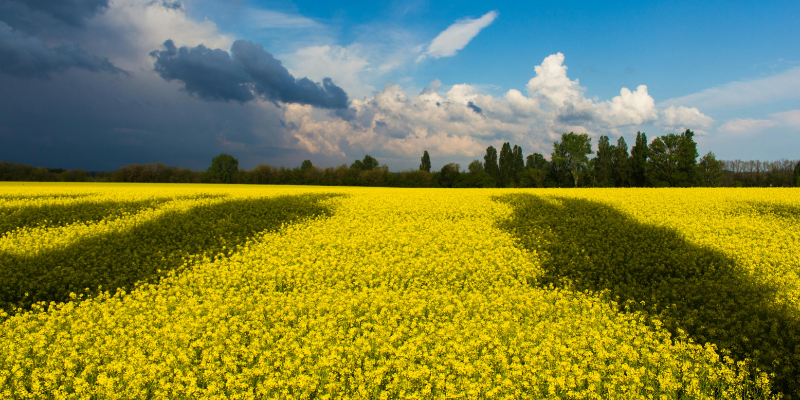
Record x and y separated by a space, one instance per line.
592 246
782 211
146 251
52 215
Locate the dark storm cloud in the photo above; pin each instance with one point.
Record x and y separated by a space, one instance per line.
210 74
71 12
28 57
475 108
248 71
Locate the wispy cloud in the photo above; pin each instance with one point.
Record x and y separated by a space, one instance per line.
782 86
790 118
264 19
457 36
747 125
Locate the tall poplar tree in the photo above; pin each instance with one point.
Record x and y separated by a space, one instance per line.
604 162
506 164
687 160
518 164
490 163
621 164
426 162
639 155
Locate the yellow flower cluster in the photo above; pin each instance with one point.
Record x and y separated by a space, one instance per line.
395 294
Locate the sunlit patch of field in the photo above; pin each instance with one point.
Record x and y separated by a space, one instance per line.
315 292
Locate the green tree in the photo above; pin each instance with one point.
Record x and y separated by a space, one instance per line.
709 171
357 166
490 163
370 163
224 167
476 177
571 154
506 164
426 162
604 163
536 169
639 155
448 175
662 165
306 165
621 164
796 175
518 165
476 167
687 160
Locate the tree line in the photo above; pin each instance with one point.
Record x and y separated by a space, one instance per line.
669 160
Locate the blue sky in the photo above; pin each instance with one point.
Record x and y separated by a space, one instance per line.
504 71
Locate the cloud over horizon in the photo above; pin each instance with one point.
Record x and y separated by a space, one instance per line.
84 85
463 121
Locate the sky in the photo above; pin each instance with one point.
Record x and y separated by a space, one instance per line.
98 84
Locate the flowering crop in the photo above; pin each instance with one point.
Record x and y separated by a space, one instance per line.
720 264
369 293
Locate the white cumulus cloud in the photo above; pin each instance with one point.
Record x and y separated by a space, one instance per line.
345 65
677 119
464 120
457 36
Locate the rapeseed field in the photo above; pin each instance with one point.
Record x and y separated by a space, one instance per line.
114 291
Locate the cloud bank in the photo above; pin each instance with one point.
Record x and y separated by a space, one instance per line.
247 72
28 57
71 12
463 121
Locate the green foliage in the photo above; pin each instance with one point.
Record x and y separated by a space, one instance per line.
506 165
224 167
306 166
796 174
571 154
490 163
448 175
536 170
621 164
639 156
662 163
709 171
475 177
604 163
518 165
588 245
687 160
426 162
146 251
475 167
